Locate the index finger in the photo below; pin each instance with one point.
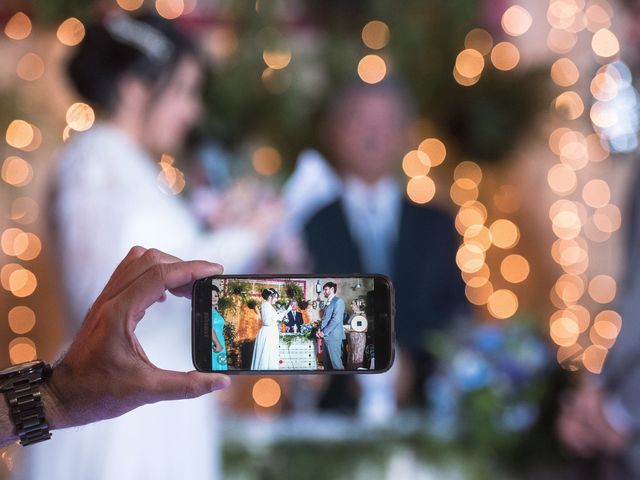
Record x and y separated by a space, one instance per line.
149 287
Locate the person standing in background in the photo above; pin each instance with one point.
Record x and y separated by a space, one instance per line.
376 229
142 77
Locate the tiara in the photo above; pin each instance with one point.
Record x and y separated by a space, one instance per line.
140 35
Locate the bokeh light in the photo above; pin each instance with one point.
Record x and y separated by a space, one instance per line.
477 279
16 171
80 116
435 150
19 134
21 320
470 258
479 39
597 17
30 67
24 210
277 59
463 191
569 104
376 35
22 349
479 295
505 233
266 160
608 218
18 27
516 20
130 5
276 81
605 44
416 162
421 189
372 69
561 41
505 56
596 193
593 358
564 72
514 268
266 392
469 63
70 32
478 235
602 289
564 329
170 9
562 179
503 304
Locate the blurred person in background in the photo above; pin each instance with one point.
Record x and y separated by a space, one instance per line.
376 229
142 77
600 419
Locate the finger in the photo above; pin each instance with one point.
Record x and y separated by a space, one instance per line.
138 266
149 287
170 385
115 279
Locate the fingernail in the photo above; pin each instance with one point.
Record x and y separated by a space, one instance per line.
221 382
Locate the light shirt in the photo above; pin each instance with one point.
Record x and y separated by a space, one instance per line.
373 215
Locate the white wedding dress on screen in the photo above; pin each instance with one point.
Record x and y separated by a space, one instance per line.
107 201
266 354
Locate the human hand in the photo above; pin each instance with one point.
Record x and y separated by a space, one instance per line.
583 427
217 347
320 334
106 373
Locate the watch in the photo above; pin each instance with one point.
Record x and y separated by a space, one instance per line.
21 387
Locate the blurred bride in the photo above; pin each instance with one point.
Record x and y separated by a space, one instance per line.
142 77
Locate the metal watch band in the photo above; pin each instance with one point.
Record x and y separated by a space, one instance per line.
25 403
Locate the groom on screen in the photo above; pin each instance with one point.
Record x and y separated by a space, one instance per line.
331 329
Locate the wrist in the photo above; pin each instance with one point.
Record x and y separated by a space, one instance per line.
53 403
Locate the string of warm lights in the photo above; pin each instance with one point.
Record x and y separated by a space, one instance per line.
472 222
18 242
580 223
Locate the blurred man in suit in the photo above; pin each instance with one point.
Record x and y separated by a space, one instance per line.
375 228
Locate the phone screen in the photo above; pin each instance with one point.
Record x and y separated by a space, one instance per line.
293 324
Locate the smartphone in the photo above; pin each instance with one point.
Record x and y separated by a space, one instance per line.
266 324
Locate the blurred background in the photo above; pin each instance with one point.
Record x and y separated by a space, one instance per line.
516 121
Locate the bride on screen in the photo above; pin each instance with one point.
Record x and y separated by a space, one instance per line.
265 351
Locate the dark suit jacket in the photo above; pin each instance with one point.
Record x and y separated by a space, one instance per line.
429 289
294 318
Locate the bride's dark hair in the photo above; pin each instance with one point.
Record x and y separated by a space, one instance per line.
267 293
145 46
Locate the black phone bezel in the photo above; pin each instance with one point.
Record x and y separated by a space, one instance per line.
384 321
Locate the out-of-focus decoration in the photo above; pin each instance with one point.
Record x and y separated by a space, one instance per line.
170 179
70 32
492 383
375 43
579 327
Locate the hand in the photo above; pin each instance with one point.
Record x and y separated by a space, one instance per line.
217 347
320 334
583 426
106 373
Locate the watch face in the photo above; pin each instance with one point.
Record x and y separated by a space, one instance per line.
20 367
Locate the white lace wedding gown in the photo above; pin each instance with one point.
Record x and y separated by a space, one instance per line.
266 348
108 200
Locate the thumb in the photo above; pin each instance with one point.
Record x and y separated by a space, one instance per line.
170 385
